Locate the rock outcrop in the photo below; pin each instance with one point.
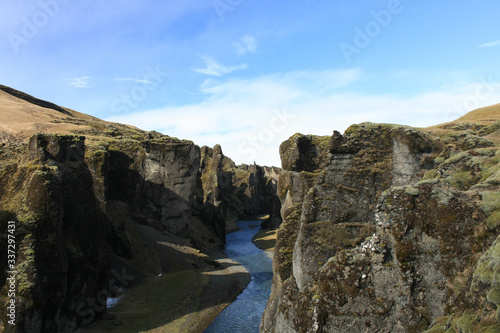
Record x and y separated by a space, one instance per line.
258 193
387 229
239 190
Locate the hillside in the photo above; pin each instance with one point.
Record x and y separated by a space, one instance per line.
486 116
23 115
483 121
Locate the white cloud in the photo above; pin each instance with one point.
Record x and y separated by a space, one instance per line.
215 69
250 118
134 80
246 44
80 82
491 44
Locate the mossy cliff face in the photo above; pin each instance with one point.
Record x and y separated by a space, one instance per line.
383 230
258 192
235 191
157 178
93 215
61 233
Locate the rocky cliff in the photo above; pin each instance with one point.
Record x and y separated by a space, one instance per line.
389 228
100 207
240 190
92 215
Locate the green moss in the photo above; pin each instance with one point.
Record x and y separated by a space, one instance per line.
310 175
493 329
287 235
321 141
490 129
476 322
233 203
494 296
412 190
473 141
485 285
490 202
488 266
352 130
466 324
461 180
327 234
431 174
493 221
495 159
428 181
329 238
126 146
405 252
305 152
96 149
439 160
443 197
25 267
486 151
456 157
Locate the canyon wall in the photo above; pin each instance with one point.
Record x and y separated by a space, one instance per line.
387 229
99 213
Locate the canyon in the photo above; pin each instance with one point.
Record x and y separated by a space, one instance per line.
101 206
384 228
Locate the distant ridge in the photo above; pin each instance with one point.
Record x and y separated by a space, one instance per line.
34 100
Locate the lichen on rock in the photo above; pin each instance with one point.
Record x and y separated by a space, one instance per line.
382 229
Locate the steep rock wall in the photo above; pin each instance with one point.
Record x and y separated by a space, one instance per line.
61 233
370 240
239 190
260 193
96 215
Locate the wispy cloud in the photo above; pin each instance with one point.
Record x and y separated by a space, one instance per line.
215 69
246 44
80 82
240 114
134 80
491 44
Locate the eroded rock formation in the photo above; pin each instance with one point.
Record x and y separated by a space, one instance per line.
386 229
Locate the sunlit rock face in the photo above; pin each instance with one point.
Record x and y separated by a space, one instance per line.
384 228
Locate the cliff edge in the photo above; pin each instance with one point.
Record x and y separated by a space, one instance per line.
389 228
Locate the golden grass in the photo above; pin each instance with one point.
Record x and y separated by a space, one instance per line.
265 239
484 116
487 115
20 119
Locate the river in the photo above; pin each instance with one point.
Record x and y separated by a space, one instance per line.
245 313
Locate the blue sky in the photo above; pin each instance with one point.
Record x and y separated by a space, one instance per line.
248 74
